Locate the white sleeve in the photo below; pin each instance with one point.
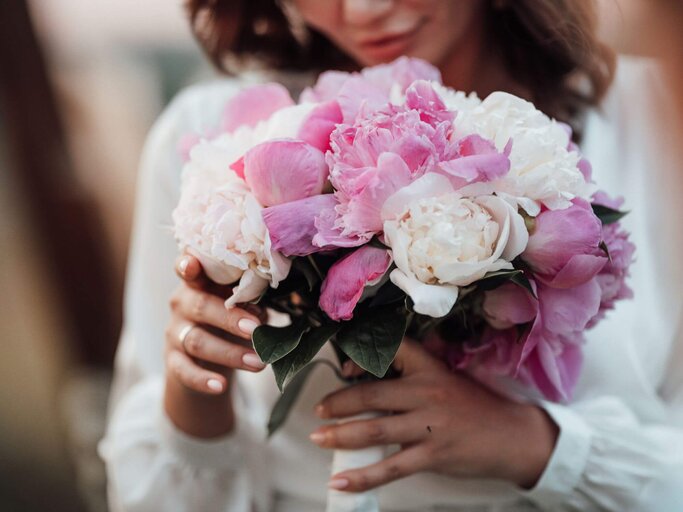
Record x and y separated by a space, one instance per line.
606 459
625 452
150 464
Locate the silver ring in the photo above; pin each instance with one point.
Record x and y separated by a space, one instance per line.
182 336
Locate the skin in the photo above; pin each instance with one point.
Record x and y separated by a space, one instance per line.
445 422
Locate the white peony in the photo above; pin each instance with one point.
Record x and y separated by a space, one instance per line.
219 221
441 240
542 169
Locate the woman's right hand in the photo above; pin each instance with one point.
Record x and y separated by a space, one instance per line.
205 342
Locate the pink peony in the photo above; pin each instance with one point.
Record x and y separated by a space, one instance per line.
254 104
372 88
535 341
563 249
612 277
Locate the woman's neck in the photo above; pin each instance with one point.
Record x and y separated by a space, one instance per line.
475 66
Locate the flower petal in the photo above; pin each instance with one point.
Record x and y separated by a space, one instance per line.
292 226
428 299
254 104
319 124
348 277
250 288
285 170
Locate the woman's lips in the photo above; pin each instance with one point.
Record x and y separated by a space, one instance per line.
389 46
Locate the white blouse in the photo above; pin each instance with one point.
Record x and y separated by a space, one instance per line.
621 440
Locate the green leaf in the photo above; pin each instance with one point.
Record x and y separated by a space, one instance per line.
607 215
523 281
375 242
493 280
284 404
306 268
274 343
388 294
373 336
287 368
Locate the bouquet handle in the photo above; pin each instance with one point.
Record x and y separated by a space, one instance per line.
342 460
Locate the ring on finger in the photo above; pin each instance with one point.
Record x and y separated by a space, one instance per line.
182 335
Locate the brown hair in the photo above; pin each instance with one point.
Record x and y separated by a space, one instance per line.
550 46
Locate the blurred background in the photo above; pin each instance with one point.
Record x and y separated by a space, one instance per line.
81 81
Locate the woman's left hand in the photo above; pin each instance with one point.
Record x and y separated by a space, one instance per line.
445 422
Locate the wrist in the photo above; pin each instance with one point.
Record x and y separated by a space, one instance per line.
198 414
530 444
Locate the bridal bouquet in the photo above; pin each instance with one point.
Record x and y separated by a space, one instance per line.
384 203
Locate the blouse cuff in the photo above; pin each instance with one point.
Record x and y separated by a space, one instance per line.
216 453
568 460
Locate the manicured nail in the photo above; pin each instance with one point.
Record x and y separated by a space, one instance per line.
182 266
215 385
320 410
338 483
247 325
317 437
253 361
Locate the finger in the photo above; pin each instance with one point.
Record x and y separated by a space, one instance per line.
193 376
203 345
413 358
351 370
402 464
397 429
389 395
189 269
203 308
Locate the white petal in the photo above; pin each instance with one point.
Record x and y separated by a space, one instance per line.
432 300
429 185
250 287
215 270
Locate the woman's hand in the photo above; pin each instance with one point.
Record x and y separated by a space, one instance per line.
205 342
445 423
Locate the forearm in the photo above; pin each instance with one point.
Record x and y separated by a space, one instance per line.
198 414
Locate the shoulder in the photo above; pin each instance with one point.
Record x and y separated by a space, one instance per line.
634 120
197 108
638 93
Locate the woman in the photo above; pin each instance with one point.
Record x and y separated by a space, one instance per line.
189 435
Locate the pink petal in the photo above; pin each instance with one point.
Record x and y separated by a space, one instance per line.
558 238
555 375
284 170
510 305
319 124
477 160
291 226
578 270
254 104
238 167
421 96
347 278
569 310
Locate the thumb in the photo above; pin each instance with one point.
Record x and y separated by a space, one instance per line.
413 358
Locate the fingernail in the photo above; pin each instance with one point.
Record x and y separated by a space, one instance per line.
215 385
317 437
338 483
247 325
320 410
182 266
253 361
